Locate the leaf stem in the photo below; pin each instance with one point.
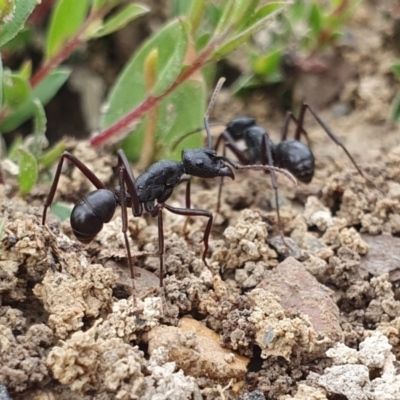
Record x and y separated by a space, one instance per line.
67 49
151 101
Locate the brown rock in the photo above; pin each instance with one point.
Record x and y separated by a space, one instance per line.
383 256
196 349
300 292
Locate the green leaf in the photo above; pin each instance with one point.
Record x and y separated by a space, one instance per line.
248 12
28 171
260 19
23 8
225 17
2 225
180 7
16 89
396 70
265 12
13 148
316 19
61 210
268 64
40 123
52 155
197 14
180 112
99 4
66 19
45 91
121 19
1 83
241 12
129 89
213 14
395 109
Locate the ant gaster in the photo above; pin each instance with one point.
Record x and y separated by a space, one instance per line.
148 192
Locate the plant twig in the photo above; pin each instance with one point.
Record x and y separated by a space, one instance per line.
151 101
67 49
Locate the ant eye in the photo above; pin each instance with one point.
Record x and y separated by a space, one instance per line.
199 162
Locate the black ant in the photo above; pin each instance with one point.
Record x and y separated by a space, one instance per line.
148 192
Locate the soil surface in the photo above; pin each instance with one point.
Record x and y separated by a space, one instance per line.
316 317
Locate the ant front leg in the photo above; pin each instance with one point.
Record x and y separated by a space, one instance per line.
228 142
299 126
193 212
187 204
126 178
266 159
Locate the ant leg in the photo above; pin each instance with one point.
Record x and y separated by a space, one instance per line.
157 212
231 145
81 166
299 126
124 216
2 181
129 179
339 143
266 159
195 213
187 204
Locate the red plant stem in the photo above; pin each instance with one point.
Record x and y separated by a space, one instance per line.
65 51
341 8
151 101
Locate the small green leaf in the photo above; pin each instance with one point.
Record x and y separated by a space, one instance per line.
99 4
28 171
2 225
52 155
66 19
316 18
16 89
268 64
196 14
1 82
13 148
40 123
241 12
395 109
61 210
25 70
396 70
44 92
225 17
23 8
265 13
119 20
129 90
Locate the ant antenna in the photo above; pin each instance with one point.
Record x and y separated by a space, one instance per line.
210 106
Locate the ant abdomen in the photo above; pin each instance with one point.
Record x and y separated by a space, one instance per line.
297 158
89 215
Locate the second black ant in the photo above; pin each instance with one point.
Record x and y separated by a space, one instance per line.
148 192
289 154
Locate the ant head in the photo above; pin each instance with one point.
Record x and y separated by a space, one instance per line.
204 163
297 158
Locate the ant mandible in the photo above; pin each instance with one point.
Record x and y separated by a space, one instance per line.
148 192
292 155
